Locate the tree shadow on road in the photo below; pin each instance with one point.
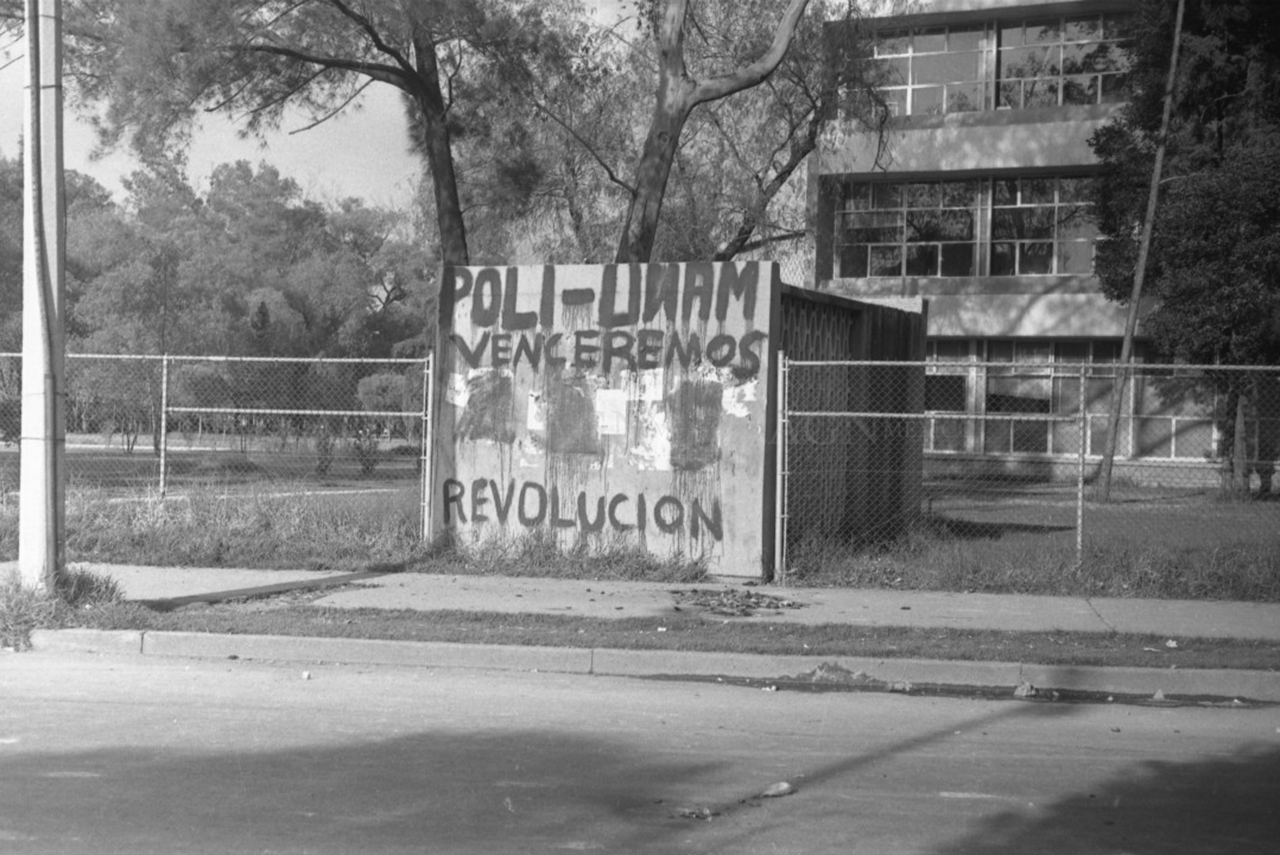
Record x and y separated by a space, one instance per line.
1228 805
438 792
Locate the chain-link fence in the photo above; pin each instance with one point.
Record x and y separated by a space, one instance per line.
165 424
879 454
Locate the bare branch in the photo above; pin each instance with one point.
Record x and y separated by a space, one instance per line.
335 111
752 74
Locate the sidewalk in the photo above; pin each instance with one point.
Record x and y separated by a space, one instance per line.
606 599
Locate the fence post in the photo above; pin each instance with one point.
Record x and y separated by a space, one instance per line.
780 478
1084 441
164 424
428 371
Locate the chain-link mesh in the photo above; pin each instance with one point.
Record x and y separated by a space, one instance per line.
875 452
185 423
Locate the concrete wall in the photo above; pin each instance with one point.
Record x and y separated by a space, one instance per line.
608 402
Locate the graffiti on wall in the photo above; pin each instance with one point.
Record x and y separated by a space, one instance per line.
618 399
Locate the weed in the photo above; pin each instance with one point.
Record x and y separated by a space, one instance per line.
23 610
541 553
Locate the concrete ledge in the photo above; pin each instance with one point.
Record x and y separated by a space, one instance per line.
1223 683
368 651
87 641
644 663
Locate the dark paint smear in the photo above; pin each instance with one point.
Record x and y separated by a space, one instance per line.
571 415
489 409
693 417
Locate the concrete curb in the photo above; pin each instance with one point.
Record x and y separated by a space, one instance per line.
1250 685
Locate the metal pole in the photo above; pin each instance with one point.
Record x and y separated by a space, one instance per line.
164 425
780 478
42 480
1084 439
428 369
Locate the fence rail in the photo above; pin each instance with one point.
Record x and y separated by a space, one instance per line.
236 422
874 452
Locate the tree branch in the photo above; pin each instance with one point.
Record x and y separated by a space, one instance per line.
752 74
335 111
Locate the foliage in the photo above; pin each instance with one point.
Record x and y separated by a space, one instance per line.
1214 269
1215 257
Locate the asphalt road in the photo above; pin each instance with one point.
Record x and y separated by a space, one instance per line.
148 755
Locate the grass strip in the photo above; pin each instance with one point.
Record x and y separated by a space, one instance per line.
689 633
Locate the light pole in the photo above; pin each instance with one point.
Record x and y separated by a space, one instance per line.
41 536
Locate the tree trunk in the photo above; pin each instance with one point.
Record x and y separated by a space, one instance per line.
641 225
439 151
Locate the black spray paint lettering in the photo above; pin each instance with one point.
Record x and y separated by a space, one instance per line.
485 501
705 290
606 350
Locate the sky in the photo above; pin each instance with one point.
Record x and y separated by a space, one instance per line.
361 153
358 153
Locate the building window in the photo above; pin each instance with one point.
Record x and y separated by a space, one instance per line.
940 70
909 229
1041 226
1060 61
1028 63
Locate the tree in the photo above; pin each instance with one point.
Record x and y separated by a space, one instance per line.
1214 269
148 67
678 93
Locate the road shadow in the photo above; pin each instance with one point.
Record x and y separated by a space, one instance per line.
516 791
1227 805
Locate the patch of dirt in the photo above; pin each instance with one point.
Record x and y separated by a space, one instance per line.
731 602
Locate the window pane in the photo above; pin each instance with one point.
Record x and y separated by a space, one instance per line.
922 259
896 101
964 97
950 350
1005 223
1080 90
1003 257
1081 29
853 261
944 392
955 225
874 227
965 38
1114 88
897 71
1036 191
930 41
857 195
1074 189
1035 258
1028 62
1039 352
1155 437
924 195
1011 35
999 350
886 196
1009 95
1066 395
958 259
1075 257
924 226
998 436
893 43
1117 26
927 101
1193 439
959 194
1040 93
886 261
948 434
1031 437
1072 352
1006 191
945 68
1044 32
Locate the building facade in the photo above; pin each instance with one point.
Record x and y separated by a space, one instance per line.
976 198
